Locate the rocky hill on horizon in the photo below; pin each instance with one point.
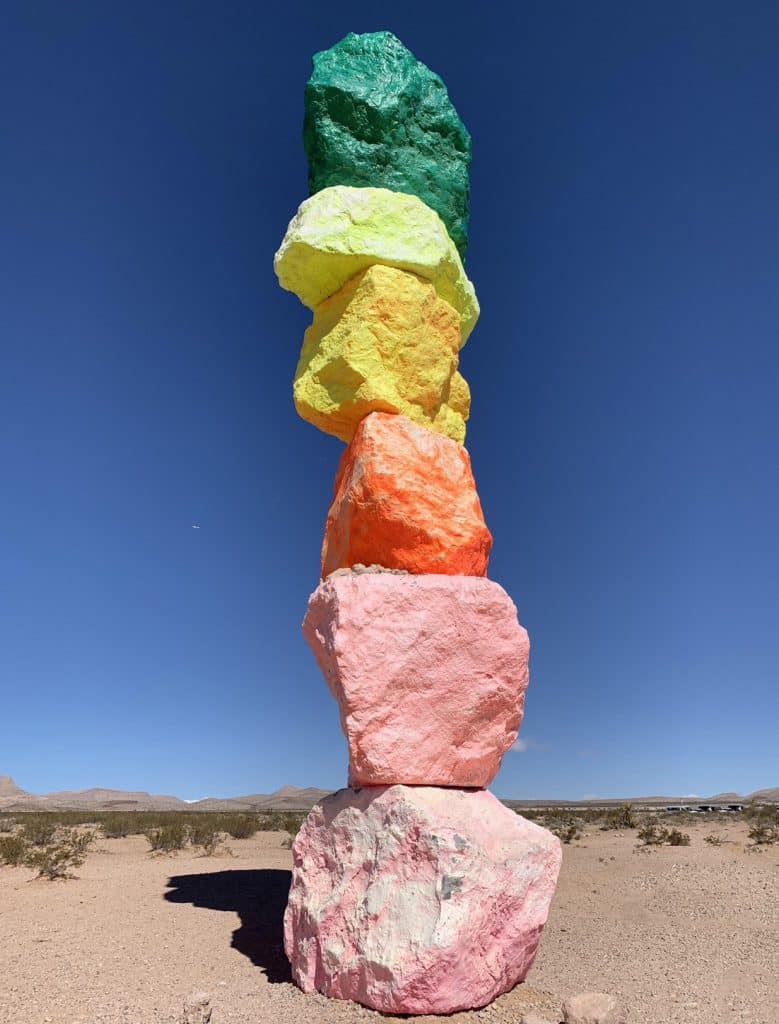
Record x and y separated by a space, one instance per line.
288 798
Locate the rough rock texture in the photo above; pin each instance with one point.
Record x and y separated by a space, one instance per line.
386 341
405 498
591 1008
342 230
359 568
417 900
429 672
197 1008
377 116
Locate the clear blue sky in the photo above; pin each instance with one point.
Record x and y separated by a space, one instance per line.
625 374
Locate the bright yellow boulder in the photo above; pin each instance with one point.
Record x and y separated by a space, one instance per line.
341 231
386 342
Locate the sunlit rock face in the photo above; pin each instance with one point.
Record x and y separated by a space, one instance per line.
429 672
417 900
405 498
342 231
385 342
375 115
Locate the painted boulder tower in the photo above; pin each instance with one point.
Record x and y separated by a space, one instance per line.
414 890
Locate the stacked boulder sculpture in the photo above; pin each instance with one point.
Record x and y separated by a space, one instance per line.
414 890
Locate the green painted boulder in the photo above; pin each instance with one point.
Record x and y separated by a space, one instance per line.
376 116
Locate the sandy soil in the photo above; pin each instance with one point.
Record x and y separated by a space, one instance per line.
687 934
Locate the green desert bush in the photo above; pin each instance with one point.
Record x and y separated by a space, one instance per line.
115 826
7 824
566 832
205 835
763 834
292 823
38 831
280 821
167 838
766 813
12 850
56 859
39 828
673 837
241 826
652 834
764 823
713 840
66 819
620 817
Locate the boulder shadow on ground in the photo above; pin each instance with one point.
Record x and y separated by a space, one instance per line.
258 897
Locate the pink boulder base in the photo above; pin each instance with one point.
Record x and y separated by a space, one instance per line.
429 672
417 900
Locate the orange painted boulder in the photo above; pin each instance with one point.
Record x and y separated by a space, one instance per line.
405 498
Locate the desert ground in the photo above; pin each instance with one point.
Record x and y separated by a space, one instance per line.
679 934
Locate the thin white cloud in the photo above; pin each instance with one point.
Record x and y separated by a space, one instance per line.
523 744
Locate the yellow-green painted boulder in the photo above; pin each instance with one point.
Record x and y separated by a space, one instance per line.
342 231
385 342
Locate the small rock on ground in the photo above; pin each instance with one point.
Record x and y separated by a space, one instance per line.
591 1008
197 1008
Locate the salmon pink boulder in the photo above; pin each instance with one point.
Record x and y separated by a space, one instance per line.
429 672
405 499
417 900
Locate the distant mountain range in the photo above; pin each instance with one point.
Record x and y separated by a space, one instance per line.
760 796
288 798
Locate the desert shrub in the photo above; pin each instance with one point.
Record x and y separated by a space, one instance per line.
620 817
766 813
206 836
673 837
56 859
566 832
763 834
292 823
764 818
167 838
12 850
115 826
244 826
555 815
268 821
280 821
57 819
7 824
713 840
651 834
38 831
